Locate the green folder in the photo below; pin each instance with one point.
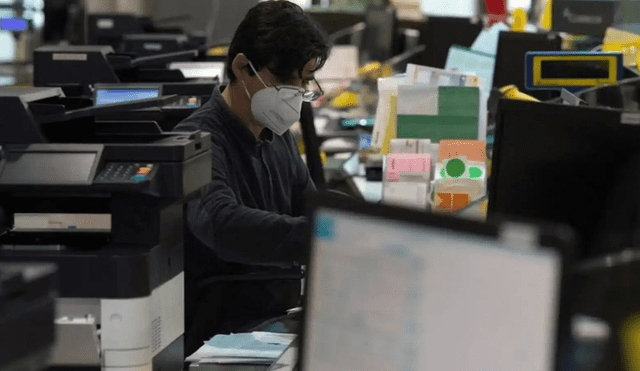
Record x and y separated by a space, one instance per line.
457 118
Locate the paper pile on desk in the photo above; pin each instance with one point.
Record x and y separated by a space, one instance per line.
255 347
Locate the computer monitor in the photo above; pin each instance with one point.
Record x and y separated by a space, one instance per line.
469 61
440 33
563 164
379 36
510 59
120 93
227 17
393 289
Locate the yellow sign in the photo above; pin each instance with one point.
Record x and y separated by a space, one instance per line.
539 80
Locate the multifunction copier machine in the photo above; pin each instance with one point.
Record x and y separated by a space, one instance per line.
27 313
106 206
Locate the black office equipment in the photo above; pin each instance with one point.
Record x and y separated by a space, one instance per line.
64 20
125 269
410 289
565 164
379 37
510 59
166 116
27 313
438 35
108 29
608 286
593 17
77 68
143 45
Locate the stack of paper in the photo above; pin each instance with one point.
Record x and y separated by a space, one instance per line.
247 348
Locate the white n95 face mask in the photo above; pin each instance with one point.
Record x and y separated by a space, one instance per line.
276 108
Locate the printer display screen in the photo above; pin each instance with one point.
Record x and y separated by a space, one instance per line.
567 69
110 96
47 167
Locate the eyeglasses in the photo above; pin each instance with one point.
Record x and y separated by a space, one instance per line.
307 95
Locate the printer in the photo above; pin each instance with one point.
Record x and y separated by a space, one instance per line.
76 68
90 70
27 294
112 28
145 44
106 206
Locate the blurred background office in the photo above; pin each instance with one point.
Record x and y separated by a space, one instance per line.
64 20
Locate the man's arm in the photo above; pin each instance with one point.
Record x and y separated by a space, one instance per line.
237 233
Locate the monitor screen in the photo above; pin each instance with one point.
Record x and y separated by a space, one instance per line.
14 24
510 59
113 95
384 294
562 163
469 61
47 167
574 69
440 33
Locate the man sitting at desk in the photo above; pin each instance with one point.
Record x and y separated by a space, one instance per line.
246 233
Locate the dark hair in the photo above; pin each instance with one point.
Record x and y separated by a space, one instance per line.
278 35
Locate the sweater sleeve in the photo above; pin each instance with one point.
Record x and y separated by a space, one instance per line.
241 234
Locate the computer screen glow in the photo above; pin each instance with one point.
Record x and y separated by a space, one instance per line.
14 24
111 96
388 295
477 63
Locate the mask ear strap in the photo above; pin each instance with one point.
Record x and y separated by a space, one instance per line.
245 89
256 72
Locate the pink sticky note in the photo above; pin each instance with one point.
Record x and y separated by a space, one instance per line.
398 163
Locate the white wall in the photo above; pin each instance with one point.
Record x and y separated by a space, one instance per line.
459 8
463 8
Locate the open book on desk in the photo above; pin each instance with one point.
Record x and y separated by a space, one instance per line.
255 347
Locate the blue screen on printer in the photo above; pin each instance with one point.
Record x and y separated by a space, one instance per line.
110 96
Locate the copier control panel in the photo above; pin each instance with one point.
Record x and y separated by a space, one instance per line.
123 172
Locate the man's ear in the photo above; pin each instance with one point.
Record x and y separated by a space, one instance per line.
239 65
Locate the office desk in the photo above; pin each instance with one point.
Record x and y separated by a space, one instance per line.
370 190
227 367
285 324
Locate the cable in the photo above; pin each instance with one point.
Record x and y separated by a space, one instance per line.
594 88
621 82
360 26
406 55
